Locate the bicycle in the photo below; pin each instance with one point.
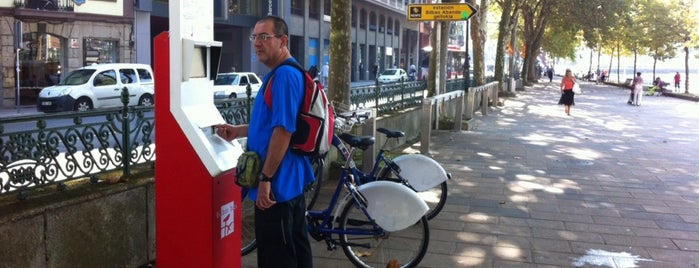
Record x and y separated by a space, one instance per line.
376 223
433 192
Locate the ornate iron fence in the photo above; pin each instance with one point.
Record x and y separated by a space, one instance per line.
52 149
388 97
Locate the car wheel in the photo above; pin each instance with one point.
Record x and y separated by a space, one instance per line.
146 100
233 96
82 104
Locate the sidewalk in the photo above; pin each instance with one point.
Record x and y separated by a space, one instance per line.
612 185
22 110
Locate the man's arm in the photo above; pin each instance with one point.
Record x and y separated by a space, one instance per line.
278 145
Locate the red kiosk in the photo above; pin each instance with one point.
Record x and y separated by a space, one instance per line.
197 204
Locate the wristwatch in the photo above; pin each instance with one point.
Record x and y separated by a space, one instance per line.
263 177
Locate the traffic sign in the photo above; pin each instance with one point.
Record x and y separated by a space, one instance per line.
440 12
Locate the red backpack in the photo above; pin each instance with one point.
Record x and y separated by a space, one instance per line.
315 121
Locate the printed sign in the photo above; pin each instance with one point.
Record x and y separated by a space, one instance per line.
227 216
440 12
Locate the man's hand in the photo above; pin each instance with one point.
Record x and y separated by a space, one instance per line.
265 198
230 132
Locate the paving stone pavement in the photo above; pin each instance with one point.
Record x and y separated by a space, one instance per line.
612 185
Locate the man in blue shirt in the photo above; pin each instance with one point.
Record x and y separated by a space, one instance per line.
280 224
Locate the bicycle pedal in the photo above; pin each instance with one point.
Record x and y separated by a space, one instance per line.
331 245
316 235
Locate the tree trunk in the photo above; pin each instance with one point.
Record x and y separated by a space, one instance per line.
479 36
504 29
618 63
443 44
340 44
686 70
434 62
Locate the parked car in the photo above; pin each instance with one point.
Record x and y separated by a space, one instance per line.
99 86
233 85
393 76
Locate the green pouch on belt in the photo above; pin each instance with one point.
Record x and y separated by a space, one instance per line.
248 169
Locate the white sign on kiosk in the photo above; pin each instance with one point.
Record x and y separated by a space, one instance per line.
193 107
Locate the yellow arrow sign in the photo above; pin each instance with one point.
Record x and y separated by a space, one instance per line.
440 12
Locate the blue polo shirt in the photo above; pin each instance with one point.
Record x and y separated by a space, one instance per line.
295 170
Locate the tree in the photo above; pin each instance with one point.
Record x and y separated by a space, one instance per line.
479 29
438 56
340 44
687 22
508 20
536 14
662 40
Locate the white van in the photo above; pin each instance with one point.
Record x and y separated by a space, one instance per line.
234 85
99 86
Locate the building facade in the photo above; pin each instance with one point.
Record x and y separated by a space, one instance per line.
46 39
41 40
381 35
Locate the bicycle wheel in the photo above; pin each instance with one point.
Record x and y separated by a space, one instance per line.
312 190
435 197
247 236
379 248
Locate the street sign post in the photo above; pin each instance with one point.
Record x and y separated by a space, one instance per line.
440 12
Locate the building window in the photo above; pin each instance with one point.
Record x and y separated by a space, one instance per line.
96 50
354 17
243 7
327 8
389 26
40 60
396 29
382 24
297 7
372 21
314 9
362 19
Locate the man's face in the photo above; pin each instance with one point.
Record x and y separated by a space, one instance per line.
271 49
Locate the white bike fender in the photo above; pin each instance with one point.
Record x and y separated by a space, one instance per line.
420 171
392 205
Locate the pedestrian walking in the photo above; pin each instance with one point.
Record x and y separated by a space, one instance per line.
324 73
280 223
567 95
637 90
678 78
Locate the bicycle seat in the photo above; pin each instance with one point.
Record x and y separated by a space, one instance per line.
391 133
361 142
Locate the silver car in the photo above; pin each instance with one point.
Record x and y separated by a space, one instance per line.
393 76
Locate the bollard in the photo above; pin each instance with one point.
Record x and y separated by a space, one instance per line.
369 129
459 116
484 102
470 102
426 126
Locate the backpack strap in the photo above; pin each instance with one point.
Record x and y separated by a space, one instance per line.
268 88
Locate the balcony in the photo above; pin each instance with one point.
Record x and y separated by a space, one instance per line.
47 10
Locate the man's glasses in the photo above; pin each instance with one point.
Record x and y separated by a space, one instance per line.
263 37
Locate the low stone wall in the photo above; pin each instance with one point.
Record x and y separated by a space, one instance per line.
87 225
